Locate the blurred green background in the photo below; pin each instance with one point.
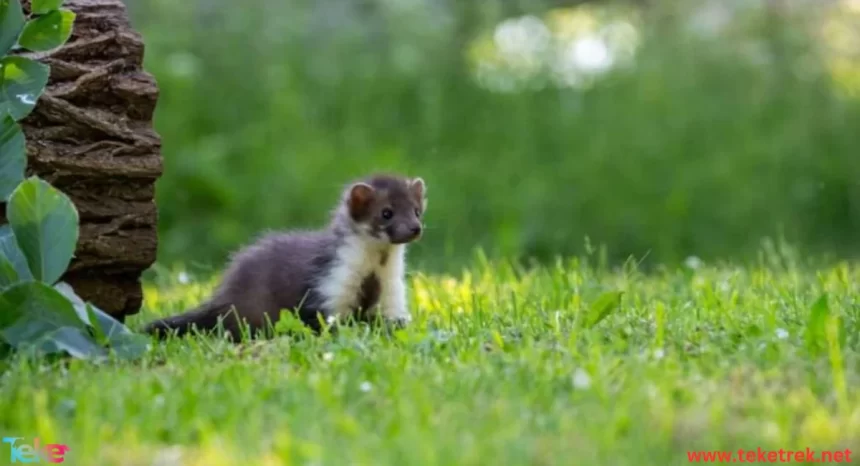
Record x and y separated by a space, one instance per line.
660 128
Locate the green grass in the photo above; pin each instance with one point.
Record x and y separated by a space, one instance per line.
501 367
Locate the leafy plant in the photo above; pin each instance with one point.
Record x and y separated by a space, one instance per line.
38 313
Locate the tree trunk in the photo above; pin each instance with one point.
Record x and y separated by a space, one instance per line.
91 136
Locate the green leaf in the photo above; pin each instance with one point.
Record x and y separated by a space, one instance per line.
9 249
45 222
603 306
11 24
108 331
71 340
33 309
8 274
44 6
77 303
47 32
13 156
122 341
102 323
106 324
39 319
22 82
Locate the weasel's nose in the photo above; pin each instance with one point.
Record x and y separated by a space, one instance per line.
416 230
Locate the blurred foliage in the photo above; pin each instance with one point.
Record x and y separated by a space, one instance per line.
681 128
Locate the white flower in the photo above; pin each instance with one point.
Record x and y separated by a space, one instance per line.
581 379
693 262
365 386
781 333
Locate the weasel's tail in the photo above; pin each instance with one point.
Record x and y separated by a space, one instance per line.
204 318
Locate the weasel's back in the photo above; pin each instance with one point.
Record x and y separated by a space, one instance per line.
274 273
277 272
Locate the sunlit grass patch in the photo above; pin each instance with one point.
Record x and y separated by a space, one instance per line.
505 364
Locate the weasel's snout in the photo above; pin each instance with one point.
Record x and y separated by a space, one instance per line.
405 233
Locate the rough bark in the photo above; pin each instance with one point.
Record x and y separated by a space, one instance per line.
91 136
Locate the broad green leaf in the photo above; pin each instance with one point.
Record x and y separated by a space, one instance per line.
45 222
79 305
44 6
121 341
102 322
47 32
33 309
71 340
13 156
603 306
38 319
22 82
108 331
8 274
109 326
10 250
11 24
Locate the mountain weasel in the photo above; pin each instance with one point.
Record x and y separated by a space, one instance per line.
354 267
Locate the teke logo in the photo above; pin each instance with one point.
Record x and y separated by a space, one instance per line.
23 453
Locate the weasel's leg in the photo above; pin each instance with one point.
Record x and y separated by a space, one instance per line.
392 303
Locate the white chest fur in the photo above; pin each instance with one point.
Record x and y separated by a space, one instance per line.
356 259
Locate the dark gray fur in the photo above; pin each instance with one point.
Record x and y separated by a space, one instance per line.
279 270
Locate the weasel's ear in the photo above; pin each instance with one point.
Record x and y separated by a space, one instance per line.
359 199
417 187
419 190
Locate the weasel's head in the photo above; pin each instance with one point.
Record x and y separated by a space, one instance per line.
387 208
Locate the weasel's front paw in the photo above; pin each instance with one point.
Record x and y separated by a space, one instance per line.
398 322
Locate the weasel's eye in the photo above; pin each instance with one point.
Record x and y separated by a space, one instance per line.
417 212
387 213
